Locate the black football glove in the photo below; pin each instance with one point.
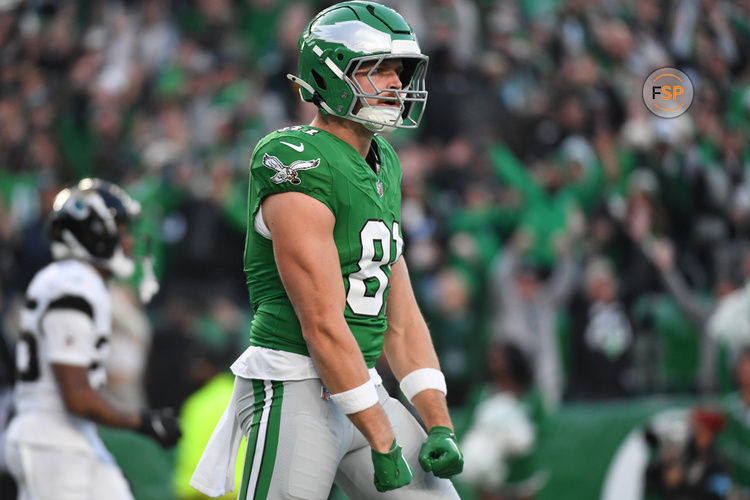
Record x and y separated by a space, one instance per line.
161 426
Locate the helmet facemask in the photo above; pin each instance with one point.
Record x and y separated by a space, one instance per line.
411 97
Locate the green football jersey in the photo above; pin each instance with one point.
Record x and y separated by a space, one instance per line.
367 232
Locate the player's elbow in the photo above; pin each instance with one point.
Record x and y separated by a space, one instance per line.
76 403
395 332
318 328
316 335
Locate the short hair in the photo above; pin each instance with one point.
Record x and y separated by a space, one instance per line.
519 368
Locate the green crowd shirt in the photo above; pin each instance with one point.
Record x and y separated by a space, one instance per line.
734 440
367 232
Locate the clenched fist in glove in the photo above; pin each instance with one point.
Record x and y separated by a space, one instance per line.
440 453
391 469
161 426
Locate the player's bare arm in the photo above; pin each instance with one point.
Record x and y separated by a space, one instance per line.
408 346
411 356
82 400
73 377
308 264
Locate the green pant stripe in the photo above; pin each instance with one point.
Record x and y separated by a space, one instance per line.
271 444
252 438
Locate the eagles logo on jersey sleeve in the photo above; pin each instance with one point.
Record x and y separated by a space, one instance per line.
289 160
288 173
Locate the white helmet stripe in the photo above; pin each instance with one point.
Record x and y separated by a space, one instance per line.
336 70
100 207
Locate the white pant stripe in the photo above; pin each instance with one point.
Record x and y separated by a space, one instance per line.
260 443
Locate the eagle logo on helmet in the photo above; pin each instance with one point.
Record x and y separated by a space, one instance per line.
288 173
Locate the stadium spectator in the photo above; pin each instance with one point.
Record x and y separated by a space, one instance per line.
695 469
602 337
729 323
527 306
501 444
453 331
735 439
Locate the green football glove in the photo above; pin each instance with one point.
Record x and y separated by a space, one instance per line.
440 453
391 470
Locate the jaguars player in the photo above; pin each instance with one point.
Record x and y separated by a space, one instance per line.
330 288
52 448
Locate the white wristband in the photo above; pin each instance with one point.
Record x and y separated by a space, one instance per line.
357 399
419 380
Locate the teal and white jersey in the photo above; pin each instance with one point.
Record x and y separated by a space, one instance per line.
67 319
367 233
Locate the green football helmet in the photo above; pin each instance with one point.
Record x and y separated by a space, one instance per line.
347 36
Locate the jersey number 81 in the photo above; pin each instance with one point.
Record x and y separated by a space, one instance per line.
375 238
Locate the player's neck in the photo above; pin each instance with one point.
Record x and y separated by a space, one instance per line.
104 273
348 131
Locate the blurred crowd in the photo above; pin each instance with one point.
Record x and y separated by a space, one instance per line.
543 205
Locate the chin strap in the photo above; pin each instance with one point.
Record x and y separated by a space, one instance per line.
379 118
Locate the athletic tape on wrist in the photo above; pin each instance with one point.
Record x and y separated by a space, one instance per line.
419 380
357 399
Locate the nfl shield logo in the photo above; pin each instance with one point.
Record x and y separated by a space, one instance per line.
380 189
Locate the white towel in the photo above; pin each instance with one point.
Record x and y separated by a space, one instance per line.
214 475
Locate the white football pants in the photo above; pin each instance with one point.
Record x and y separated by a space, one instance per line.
300 443
51 473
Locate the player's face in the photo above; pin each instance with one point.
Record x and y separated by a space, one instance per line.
126 240
386 75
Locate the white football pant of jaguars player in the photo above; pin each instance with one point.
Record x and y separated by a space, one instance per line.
52 447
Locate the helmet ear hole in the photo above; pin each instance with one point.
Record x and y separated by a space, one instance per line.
319 80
